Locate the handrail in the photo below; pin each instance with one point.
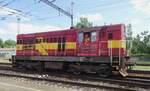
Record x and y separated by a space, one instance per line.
119 52
111 52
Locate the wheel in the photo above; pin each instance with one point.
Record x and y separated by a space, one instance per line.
76 72
104 71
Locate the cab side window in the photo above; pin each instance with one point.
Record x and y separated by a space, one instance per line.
80 37
93 36
87 37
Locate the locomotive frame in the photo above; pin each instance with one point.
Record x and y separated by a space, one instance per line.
100 50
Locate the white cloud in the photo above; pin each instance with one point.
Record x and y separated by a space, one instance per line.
138 22
9 31
135 21
136 25
141 5
93 17
30 28
2 31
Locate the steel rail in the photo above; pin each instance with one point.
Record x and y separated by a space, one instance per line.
134 82
74 83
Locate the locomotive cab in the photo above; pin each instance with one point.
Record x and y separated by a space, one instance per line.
87 43
104 45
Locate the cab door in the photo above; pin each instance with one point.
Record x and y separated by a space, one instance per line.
87 43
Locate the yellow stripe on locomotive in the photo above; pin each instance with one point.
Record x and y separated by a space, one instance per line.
116 44
19 47
70 45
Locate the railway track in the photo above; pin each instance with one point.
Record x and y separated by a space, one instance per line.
74 83
139 73
85 81
5 64
135 82
82 80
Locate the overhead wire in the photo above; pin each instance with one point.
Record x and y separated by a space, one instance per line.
105 6
7 4
101 7
39 18
11 11
2 6
101 4
108 7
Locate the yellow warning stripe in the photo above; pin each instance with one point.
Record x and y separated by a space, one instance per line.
70 45
19 47
116 44
48 46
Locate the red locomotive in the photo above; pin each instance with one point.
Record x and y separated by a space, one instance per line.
100 50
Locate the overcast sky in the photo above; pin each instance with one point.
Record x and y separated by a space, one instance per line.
39 17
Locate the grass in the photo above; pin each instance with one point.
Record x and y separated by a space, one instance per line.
141 55
142 62
144 68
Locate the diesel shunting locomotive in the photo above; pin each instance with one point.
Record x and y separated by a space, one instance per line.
100 50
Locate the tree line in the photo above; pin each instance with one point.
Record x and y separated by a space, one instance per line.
7 43
139 44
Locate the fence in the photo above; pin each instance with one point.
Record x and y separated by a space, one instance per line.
7 52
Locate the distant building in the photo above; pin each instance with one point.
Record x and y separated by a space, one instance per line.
7 52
